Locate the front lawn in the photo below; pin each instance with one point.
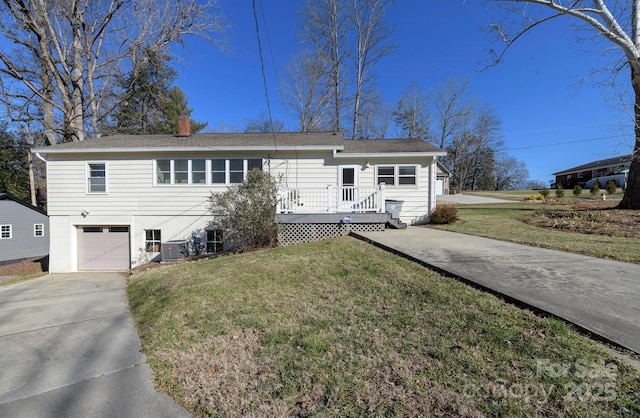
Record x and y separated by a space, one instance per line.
341 328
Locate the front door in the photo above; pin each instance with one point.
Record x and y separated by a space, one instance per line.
347 187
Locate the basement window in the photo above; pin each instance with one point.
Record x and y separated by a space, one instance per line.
152 240
215 242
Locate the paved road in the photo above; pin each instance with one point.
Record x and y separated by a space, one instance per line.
601 296
68 348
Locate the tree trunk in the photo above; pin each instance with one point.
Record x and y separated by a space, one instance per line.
631 199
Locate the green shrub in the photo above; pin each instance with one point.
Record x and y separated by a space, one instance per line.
247 211
611 187
443 214
577 191
560 191
544 193
595 188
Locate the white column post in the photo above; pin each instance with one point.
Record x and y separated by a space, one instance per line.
381 207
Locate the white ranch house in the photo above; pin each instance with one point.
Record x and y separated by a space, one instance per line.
116 202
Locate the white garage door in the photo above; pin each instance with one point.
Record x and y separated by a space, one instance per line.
103 248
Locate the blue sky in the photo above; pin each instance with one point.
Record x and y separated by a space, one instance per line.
536 92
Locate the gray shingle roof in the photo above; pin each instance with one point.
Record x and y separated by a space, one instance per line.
319 140
203 141
623 159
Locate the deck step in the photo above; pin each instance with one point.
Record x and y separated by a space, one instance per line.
395 223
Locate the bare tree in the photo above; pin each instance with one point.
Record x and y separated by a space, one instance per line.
307 92
343 31
486 126
325 27
376 117
67 54
619 25
372 33
471 152
412 113
263 124
509 173
451 110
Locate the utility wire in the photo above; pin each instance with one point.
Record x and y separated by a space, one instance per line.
566 142
279 88
264 75
273 62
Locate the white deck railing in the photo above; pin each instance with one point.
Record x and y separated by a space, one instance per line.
330 199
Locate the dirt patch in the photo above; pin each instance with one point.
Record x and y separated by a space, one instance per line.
24 268
600 218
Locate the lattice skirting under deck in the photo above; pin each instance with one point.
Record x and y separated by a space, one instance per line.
298 233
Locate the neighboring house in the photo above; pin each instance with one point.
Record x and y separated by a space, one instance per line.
585 172
24 230
116 202
442 179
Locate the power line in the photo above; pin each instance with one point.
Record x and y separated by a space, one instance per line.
566 142
264 75
273 62
536 131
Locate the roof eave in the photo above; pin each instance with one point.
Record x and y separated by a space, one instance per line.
339 155
187 149
9 196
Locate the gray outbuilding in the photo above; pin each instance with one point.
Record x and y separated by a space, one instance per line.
24 230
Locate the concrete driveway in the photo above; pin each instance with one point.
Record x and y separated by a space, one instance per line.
598 295
68 348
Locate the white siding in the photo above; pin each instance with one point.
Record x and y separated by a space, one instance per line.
64 247
134 200
417 199
305 169
130 189
321 170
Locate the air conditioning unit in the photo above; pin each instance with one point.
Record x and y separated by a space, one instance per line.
174 250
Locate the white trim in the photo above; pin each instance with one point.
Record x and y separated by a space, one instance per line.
356 172
396 175
350 191
339 155
10 231
208 172
35 231
270 148
88 176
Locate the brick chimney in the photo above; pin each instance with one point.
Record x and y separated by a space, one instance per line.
184 126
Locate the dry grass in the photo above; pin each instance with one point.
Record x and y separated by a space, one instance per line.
340 328
604 232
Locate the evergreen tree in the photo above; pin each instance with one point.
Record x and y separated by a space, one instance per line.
150 103
14 168
176 105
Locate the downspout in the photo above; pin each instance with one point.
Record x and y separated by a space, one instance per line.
432 185
46 167
40 157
